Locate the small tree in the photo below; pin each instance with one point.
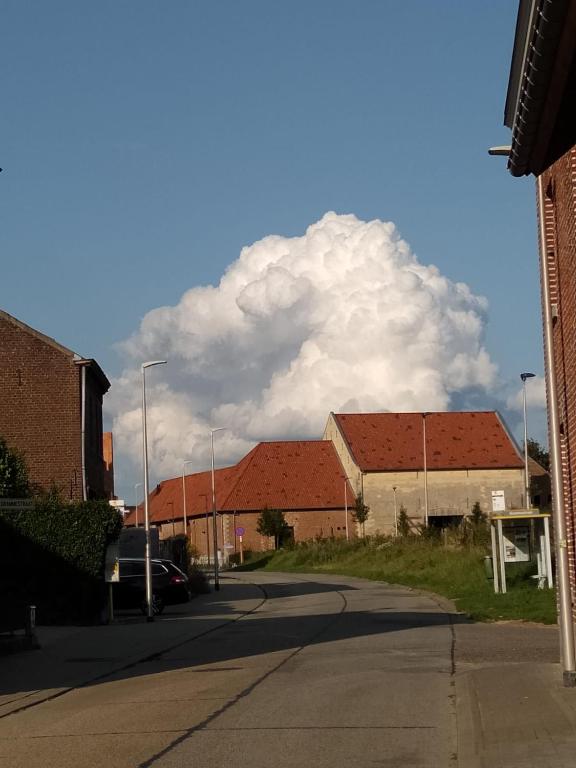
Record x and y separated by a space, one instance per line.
403 522
361 512
272 523
539 453
478 530
477 516
14 481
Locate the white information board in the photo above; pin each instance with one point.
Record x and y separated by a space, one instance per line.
516 540
498 501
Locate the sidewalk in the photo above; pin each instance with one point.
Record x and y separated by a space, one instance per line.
70 657
512 709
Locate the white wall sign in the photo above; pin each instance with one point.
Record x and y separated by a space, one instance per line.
498 501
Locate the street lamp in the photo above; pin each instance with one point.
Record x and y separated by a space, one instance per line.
394 489
149 613
171 504
214 523
525 376
425 468
189 461
136 486
346 505
205 495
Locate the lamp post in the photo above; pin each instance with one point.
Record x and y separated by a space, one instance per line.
207 528
425 468
525 376
394 489
136 486
189 461
214 523
149 613
346 506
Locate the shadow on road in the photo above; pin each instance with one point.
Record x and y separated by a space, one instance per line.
209 630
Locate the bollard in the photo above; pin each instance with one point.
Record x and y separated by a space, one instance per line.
488 567
31 621
30 629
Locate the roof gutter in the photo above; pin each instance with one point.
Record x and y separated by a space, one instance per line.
559 512
537 79
83 365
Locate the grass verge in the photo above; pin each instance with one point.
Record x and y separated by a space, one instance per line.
455 572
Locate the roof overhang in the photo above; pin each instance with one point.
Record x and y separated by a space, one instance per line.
542 85
96 371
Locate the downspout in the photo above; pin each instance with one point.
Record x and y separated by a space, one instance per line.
560 533
83 444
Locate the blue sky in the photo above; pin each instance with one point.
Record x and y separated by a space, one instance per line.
145 143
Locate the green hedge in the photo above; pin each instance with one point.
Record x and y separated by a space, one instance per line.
53 557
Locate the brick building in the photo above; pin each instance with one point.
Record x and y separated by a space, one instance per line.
434 463
303 478
51 410
540 111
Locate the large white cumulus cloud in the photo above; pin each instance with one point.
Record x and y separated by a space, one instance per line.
343 318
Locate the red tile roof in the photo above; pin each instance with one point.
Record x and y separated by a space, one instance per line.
455 440
299 474
287 475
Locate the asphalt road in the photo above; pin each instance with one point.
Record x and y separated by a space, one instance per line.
289 673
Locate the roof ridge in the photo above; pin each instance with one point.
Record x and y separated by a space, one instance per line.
246 460
509 435
407 413
42 336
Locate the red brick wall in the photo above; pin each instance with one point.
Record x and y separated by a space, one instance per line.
559 218
307 524
40 408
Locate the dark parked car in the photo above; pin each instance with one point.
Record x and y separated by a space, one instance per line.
169 584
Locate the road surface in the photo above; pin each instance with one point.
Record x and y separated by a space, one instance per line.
276 671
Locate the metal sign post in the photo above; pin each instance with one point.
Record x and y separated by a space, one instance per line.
112 574
240 533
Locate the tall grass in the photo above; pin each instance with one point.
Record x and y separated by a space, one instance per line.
445 567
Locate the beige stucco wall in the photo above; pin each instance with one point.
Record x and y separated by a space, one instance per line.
449 493
332 433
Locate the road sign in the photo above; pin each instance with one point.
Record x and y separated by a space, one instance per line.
16 505
239 531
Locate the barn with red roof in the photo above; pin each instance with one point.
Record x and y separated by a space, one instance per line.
434 465
303 478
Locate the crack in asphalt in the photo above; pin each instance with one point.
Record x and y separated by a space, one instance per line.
202 726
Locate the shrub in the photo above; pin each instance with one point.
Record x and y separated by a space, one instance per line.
272 523
53 557
475 529
361 512
403 522
14 481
